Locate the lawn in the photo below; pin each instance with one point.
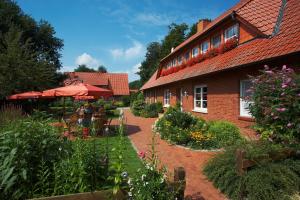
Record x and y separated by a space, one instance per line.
131 159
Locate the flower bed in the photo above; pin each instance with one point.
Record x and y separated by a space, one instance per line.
185 129
228 45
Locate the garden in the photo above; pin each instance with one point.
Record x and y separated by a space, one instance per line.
184 129
40 159
270 167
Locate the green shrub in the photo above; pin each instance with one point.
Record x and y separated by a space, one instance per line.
9 113
152 110
266 180
137 107
185 129
224 133
118 104
125 100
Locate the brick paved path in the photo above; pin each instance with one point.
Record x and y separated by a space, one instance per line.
140 133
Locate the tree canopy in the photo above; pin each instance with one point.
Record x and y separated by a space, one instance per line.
29 52
83 68
102 69
177 34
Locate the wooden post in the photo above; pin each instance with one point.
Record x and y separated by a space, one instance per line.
239 156
179 182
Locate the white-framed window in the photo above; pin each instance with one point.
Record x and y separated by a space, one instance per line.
245 85
167 97
216 41
204 47
187 55
195 52
200 98
179 60
173 62
231 32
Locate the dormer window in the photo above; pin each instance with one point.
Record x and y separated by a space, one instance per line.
216 41
195 52
204 47
187 55
179 60
231 32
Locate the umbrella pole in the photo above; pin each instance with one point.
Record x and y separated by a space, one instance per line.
64 108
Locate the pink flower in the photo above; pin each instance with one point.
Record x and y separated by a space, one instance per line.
276 117
298 95
284 85
282 94
281 109
142 154
283 67
289 125
266 67
269 72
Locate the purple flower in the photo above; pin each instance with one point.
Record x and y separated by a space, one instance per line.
289 125
288 80
281 109
282 94
298 95
276 117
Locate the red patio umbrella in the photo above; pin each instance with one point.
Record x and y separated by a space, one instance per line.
80 89
26 95
84 97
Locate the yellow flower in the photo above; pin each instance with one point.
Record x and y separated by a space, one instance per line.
198 136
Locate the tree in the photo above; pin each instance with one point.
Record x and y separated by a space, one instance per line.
175 36
192 30
102 69
20 70
29 51
150 64
83 68
135 84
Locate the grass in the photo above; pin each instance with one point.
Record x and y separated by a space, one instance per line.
131 159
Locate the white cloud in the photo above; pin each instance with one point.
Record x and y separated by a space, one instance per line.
154 19
135 68
135 51
132 76
86 59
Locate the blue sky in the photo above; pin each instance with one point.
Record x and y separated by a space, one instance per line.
115 33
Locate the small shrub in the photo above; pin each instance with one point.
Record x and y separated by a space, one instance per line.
266 180
9 113
223 133
125 100
152 110
137 107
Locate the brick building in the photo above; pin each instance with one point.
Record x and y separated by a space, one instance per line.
208 73
116 82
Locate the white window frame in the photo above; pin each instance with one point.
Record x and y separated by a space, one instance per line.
226 37
212 40
195 52
244 112
167 93
200 109
179 60
202 44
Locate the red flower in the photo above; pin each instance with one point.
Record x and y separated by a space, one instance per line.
142 154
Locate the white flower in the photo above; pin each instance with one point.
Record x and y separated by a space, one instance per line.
59 148
143 177
130 194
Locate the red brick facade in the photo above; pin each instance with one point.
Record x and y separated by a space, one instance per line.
268 33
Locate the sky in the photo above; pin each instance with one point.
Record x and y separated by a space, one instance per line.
115 33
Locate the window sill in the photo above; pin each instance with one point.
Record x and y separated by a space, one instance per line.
200 111
246 118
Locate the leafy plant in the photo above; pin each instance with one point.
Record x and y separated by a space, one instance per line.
9 113
266 180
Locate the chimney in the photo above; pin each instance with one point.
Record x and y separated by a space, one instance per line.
202 24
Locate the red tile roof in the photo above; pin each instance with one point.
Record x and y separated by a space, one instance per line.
117 82
285 42
260 13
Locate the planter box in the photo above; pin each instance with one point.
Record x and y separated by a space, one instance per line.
98 195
